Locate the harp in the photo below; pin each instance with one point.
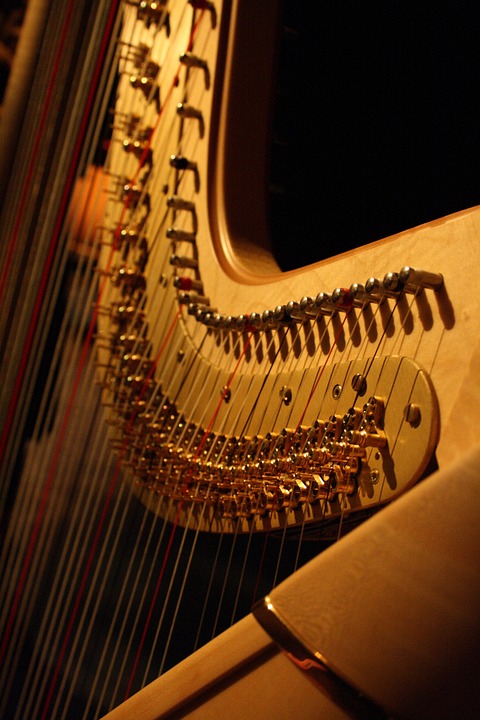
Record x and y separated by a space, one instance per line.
207 423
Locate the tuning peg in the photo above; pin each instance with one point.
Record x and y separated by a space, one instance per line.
178 235
193 61
416 278
187 284
183 261
177 203
179 162
378 292
205 5
141 150
154 13
187 111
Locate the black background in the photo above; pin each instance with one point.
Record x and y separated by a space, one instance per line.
377 112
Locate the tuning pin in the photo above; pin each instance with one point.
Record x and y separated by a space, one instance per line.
187 284
193 61
131 341
305 305
214 320
182 163
281 315
320 305
187 111
341 299
416 278
129 235
141 150
129 123
199 312
360 296
138 54
148 87
177 203
154 12
242 324
178 235
149 71
135 193
183 261
377 290
269 319
125 313
129 278
295 311
193 299
205 5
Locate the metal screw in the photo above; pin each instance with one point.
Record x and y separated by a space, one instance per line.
359 384
286 395
412 414
337 391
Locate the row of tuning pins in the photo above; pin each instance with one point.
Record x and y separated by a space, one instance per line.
137 140
128 238
126 314
190 286
393 285
156 12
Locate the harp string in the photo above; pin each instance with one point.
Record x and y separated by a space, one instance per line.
235 429
21 579
36 312
34 468
35 151
174 530
142 601
57 275
360 353
93 551
81 632
298 425
61 213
